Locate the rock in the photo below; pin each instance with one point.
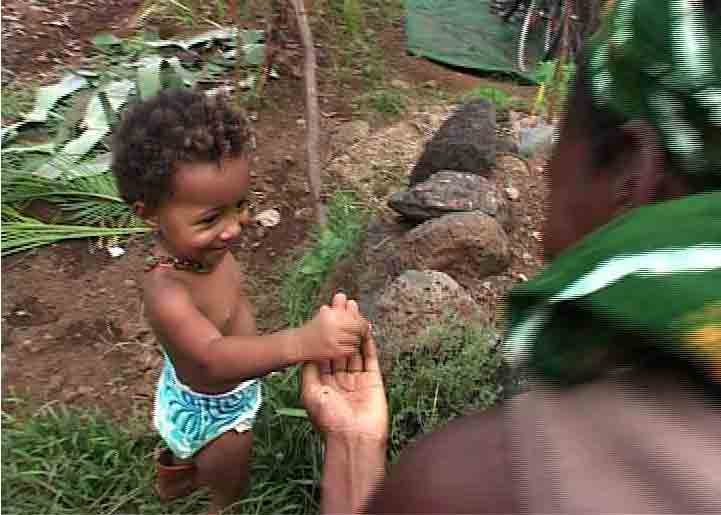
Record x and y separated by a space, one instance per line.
534 140
451 192
400 84
268 218
379 256
507 145
466 142
413 304
463 245
513 193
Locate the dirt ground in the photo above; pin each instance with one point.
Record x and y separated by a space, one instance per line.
72 326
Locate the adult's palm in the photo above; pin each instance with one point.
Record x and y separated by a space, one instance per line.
347 395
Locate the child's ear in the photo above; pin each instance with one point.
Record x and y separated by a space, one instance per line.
147 214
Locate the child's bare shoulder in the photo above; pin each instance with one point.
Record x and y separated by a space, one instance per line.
166 297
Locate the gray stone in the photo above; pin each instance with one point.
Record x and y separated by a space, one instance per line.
466 142
412 304
466 246
451 192
534 140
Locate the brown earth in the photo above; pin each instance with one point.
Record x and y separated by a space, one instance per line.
72 326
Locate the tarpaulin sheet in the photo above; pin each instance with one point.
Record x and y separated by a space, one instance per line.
463 33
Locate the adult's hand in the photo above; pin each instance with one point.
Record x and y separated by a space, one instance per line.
346 402
346 397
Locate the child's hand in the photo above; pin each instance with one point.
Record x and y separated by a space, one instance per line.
335 332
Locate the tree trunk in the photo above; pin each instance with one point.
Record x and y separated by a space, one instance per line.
312 117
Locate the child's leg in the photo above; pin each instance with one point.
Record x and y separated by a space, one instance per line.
224 467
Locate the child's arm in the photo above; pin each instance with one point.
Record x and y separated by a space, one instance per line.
208 360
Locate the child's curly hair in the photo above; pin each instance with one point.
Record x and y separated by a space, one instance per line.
177 126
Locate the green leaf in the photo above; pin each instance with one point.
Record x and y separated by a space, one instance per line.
292 412
44 148
186 76
251 37
48 96
106 40
254 54
149 83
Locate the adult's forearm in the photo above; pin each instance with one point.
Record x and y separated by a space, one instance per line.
354 469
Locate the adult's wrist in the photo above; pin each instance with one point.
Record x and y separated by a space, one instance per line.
354 469
357 440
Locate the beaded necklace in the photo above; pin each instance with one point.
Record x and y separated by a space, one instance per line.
152 261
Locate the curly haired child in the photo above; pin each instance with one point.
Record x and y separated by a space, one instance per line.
181 162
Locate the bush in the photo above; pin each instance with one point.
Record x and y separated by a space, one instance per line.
455 369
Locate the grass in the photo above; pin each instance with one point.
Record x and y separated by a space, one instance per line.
497 97
389 102
66 461
455 368
63 461
502 101
337 240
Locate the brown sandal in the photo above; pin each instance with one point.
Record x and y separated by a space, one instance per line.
173 480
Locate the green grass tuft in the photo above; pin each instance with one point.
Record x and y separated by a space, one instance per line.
455 369
337 240
499 98
389 102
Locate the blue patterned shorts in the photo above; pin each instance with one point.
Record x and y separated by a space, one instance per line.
187 420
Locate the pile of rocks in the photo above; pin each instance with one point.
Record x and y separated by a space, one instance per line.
455 227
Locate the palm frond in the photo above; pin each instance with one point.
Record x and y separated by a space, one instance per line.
24 233
90 208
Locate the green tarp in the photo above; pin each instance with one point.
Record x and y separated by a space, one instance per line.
462 33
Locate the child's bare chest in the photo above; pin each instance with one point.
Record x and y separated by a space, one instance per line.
218 296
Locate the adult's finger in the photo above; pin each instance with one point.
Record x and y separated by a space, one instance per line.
310 374
370 354
355 362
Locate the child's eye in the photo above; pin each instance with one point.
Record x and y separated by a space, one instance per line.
209 219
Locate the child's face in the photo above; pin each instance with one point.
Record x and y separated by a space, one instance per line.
209 205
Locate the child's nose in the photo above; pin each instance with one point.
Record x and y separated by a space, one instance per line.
231 231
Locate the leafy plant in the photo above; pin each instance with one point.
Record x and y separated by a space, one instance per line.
74 177
554 78
338 239
454 369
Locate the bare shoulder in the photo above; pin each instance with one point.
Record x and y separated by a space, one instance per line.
461 468
164 296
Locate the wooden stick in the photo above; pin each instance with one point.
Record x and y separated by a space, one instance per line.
312 118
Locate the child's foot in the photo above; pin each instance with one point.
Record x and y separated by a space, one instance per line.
173 480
